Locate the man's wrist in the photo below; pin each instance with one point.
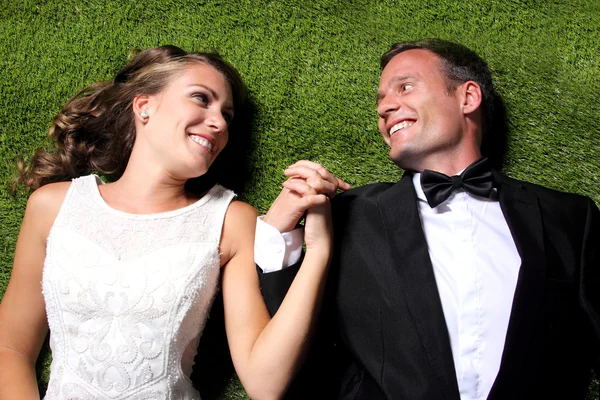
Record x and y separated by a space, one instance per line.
274 250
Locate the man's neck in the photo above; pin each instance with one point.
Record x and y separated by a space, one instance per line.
448 164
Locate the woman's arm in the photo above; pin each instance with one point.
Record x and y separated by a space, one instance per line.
23 325
267 352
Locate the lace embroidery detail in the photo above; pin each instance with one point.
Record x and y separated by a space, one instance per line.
125 294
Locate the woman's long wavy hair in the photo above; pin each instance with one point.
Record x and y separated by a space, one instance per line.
95 130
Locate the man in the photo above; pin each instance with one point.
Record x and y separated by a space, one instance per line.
485 287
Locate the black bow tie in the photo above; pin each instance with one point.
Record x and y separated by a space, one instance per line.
476 179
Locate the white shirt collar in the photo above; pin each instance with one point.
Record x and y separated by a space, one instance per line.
416 179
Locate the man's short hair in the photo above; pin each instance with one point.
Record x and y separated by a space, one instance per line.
459 65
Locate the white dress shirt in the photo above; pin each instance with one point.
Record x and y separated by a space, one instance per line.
274 250
476 266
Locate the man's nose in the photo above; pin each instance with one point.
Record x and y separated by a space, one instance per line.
387 105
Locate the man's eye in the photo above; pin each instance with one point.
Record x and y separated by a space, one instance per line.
406 86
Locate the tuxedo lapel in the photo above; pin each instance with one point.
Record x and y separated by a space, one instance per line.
523 216
412 272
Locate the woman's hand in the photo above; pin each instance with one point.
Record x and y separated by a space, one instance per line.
309 185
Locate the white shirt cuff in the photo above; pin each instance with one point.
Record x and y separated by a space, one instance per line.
274 250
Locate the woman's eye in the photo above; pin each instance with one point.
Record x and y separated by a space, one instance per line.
228 117
201 97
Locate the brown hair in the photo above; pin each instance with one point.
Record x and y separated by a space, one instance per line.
95 130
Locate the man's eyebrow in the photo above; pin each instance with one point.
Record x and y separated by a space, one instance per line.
393 81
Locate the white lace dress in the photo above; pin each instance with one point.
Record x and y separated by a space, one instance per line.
127 295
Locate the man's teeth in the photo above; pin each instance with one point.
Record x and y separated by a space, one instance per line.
401 125
202 141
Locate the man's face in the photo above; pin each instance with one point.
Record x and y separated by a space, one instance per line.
419 118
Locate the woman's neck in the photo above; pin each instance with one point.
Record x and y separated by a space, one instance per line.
147 191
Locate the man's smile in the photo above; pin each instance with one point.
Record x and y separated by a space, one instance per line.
401 125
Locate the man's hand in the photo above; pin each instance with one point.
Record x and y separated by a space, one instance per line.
316 176
309 185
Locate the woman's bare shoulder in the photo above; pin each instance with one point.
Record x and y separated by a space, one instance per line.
44 203
238 229
239 209
50 196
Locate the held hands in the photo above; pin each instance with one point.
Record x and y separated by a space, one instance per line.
309 187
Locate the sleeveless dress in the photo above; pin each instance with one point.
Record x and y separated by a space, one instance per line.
127 295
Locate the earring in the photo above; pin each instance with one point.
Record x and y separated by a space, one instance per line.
144 114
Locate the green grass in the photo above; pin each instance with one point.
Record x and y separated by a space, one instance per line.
312 69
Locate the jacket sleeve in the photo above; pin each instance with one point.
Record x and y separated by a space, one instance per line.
328 364
274 285
321 372
590 277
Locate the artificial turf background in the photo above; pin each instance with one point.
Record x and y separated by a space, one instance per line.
312 70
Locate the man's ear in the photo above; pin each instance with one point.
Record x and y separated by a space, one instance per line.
471 97
141 107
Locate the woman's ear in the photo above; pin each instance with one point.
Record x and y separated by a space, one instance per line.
141 107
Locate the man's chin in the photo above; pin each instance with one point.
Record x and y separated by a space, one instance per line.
402 160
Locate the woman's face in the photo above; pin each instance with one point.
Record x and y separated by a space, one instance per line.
187 121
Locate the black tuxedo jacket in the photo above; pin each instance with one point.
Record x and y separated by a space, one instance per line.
382 332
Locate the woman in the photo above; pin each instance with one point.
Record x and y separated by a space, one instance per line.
128 269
